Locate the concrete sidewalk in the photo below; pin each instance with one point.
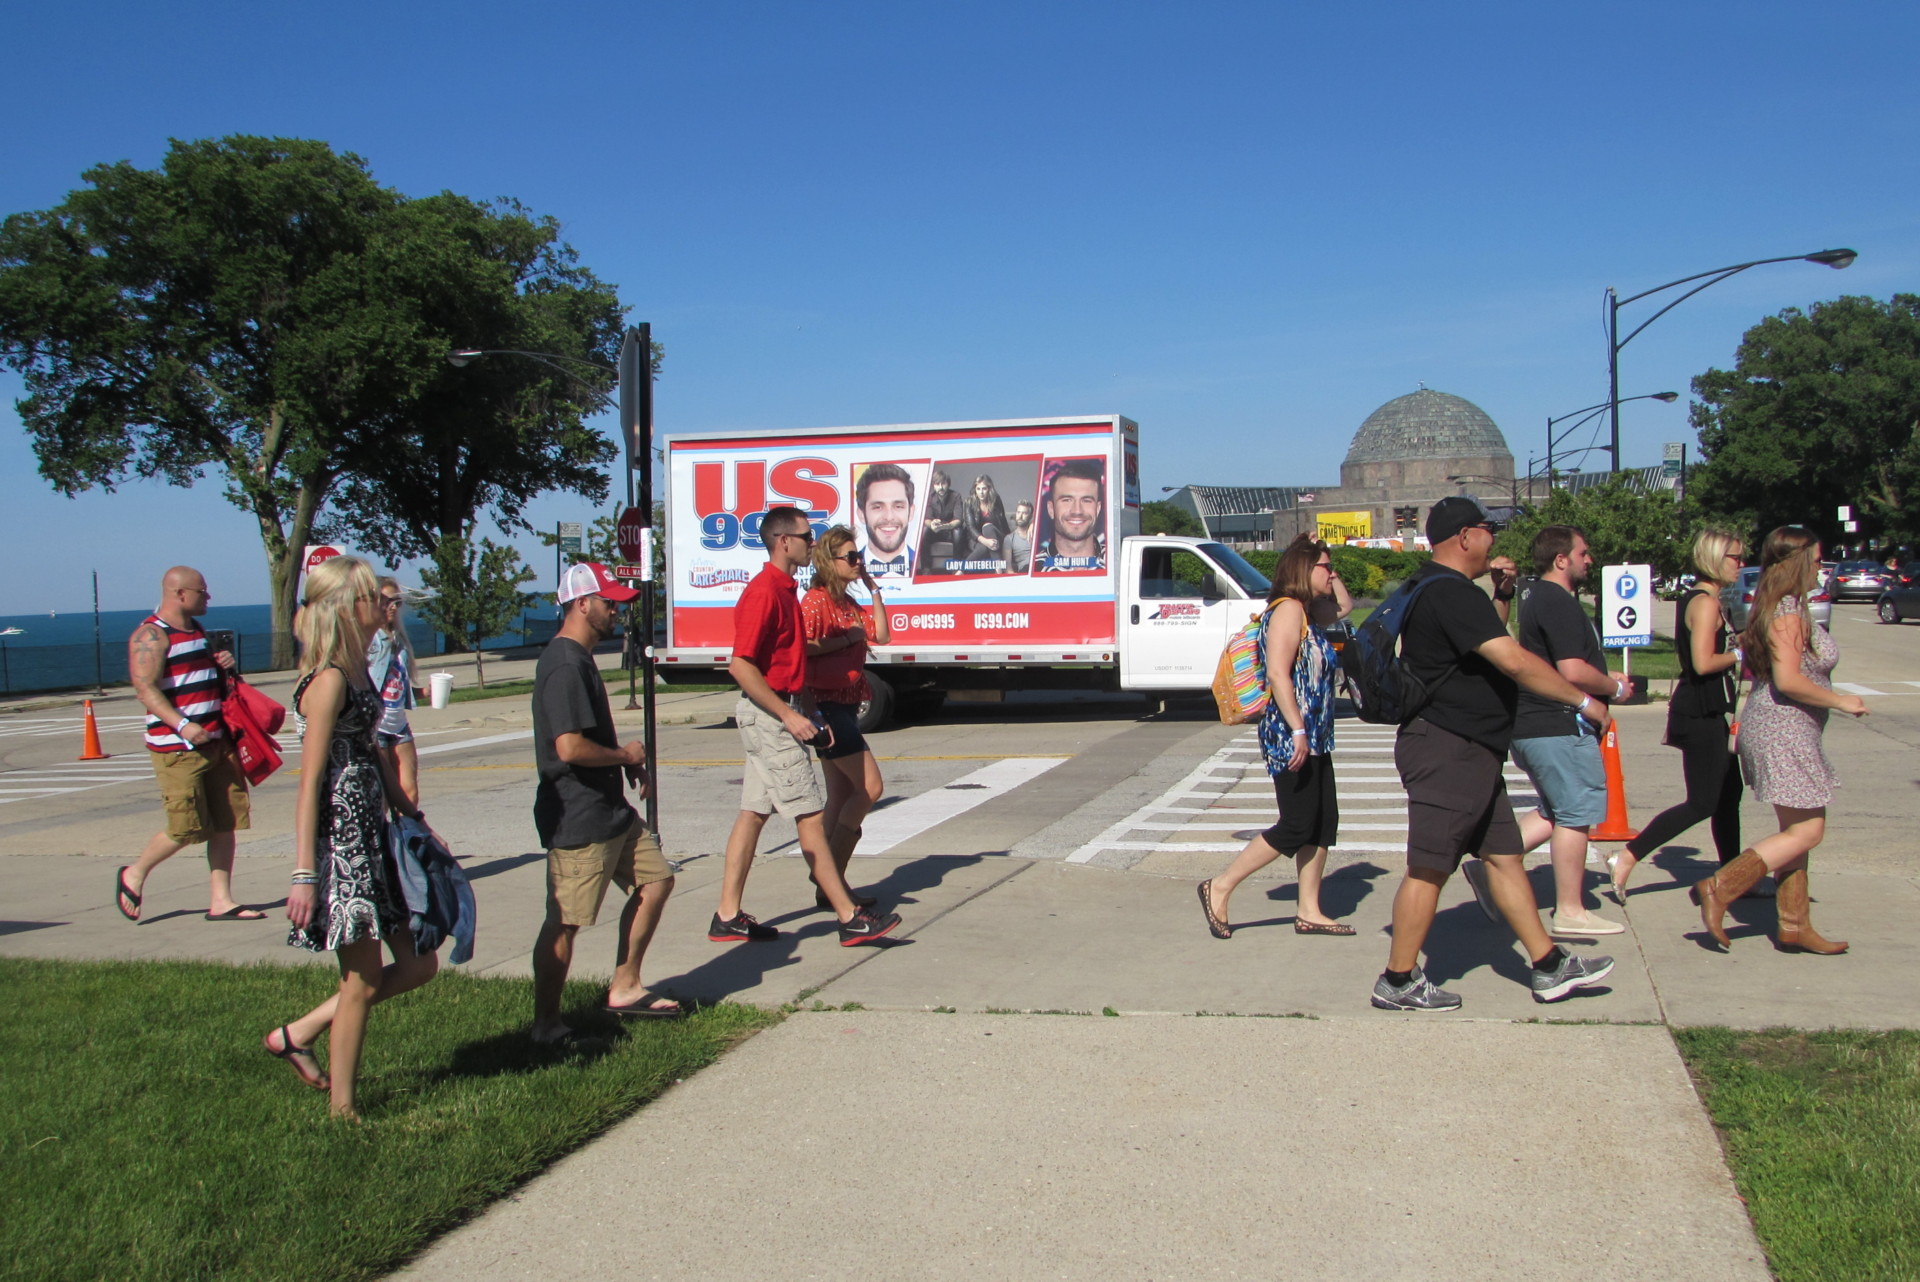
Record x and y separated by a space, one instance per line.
1153 1144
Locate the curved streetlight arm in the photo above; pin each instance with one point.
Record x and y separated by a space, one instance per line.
1838 259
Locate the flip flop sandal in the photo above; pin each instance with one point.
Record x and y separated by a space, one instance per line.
121 892
1219 929
289 1051
239 912
1321 927
648 1007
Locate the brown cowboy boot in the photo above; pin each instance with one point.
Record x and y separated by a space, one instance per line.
1796 934
1720 890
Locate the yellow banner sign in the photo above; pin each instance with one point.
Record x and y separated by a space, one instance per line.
1338 527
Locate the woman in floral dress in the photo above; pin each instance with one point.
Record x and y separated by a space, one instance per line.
345 896
1780 751
1296 738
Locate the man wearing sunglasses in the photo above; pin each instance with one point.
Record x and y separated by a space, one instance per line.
774 715
1451 755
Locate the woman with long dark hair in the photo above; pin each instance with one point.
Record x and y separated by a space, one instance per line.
1781 755
1697 714
838 628
1296 738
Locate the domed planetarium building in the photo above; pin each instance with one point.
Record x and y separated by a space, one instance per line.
1409 454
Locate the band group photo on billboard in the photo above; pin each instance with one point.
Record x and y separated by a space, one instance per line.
928 521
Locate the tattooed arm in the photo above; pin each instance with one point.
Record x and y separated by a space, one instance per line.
146 665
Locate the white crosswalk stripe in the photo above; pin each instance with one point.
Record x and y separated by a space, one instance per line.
1237 773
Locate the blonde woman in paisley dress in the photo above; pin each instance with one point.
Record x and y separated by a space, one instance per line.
1296 737
345 896
1792 658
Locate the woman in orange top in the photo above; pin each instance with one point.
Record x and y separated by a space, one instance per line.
837 630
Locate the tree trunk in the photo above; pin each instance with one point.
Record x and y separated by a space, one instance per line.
479 663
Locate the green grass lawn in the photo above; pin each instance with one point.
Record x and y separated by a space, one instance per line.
144 1132
1822 1131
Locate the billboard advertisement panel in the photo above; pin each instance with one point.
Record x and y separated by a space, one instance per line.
994 534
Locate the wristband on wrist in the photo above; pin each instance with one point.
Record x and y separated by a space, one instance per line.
1300 733
1580 708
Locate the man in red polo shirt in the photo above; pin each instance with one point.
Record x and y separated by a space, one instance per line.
774 714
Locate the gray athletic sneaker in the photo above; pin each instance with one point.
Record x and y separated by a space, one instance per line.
1572 972
1476 874
1417 994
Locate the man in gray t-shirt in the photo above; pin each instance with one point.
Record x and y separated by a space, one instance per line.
1552 743
580 810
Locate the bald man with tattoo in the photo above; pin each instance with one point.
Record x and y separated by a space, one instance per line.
181 681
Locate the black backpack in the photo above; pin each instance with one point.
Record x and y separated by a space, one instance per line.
1385 690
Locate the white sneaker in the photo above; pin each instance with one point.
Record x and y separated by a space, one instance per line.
1584 924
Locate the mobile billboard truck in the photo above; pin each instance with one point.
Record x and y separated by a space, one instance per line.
1009 553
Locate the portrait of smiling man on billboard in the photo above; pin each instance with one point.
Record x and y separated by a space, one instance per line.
883 495
1073 512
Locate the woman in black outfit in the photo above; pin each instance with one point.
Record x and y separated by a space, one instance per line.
1697 715
984 523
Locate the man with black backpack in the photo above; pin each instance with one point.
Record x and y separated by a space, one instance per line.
1450 753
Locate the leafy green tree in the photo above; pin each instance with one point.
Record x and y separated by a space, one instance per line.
1625 524
1162 517
476 593
1821 410
261 310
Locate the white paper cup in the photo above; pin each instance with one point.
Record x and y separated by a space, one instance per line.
440 688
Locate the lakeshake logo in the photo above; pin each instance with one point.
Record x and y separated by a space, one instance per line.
706 575
1176 610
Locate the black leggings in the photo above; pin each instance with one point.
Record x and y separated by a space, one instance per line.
1714 789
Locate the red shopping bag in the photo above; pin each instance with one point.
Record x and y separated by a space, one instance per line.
252 738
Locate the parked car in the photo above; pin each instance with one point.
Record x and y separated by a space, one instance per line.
1860 581
1736 599
1901 600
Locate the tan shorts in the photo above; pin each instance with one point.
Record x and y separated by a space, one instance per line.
779 775
203 791
577 876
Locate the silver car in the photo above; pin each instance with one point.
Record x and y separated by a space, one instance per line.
1736 599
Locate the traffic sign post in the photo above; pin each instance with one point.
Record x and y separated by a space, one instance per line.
1626 610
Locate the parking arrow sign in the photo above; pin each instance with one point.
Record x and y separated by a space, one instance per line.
1623 592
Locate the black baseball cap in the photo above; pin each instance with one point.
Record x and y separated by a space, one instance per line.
1455 513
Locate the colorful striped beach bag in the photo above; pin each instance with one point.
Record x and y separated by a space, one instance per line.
1240 680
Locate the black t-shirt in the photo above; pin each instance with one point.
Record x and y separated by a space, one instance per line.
574 805
1553 626
1449 622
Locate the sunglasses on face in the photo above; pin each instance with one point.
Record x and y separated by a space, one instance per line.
805 536
852 558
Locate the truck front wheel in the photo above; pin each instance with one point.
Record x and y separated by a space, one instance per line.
877 710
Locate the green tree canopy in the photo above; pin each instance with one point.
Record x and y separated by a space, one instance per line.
1820 410
262 310
476 593
1162 517
1625 524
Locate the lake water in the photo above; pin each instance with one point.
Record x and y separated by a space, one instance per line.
57 652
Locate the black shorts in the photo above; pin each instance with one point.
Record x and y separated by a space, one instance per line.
844 720
1456 798
1309 810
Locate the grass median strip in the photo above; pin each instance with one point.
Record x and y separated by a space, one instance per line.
144 1132
1820 1130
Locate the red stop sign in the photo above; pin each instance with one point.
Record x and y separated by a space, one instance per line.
628 533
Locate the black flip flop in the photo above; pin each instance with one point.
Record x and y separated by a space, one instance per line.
237 913
644 1009
120 892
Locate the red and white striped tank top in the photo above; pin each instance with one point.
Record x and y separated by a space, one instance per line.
192 680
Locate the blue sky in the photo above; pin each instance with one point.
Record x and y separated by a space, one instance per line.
1244 226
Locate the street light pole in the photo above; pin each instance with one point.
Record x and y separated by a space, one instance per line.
1552 440
636 429
1834 258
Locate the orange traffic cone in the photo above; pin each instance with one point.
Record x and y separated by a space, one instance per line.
1615 828
90 742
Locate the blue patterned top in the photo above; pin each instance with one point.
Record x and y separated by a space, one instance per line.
1313 690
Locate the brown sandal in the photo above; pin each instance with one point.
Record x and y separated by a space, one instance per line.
1219 929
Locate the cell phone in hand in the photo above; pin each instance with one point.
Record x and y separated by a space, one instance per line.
822 737
219 639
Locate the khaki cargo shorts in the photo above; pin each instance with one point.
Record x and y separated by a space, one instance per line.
203 791
577 876
780 775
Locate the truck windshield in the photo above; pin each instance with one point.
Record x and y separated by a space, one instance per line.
1251 581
